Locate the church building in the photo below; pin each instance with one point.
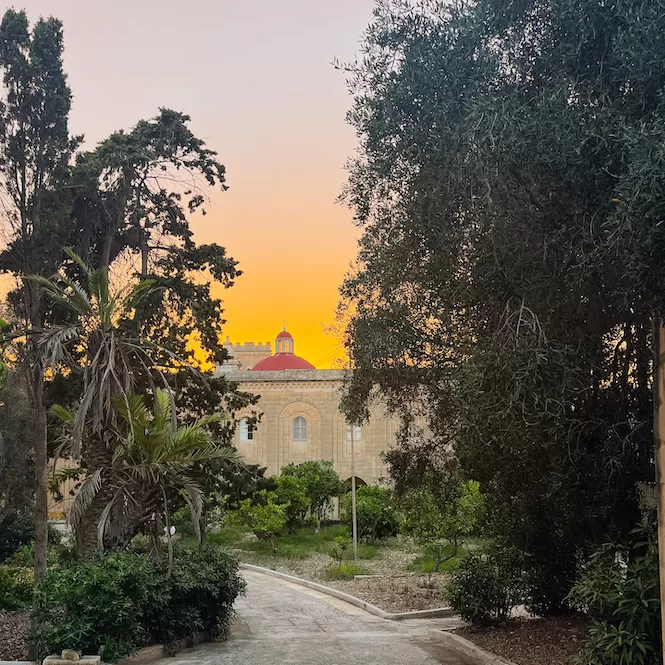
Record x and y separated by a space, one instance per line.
300 418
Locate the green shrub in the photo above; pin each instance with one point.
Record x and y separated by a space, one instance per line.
97 605
113 604
375 513
16 587
340 549
344 571
618 588
182 521
486 587
266 521
201 591
440 519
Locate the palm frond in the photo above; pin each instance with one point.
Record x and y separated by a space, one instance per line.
84 497
62 414
194 498
77 259
137 294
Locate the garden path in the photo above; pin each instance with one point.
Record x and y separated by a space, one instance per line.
280 622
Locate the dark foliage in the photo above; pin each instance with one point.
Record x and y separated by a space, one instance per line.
18 531
509 188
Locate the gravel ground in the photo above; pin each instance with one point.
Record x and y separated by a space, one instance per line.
396 590
14 629
550 641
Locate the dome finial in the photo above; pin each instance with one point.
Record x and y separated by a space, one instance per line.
284 326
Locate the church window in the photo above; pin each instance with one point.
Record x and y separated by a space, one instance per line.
299 429
246 430
354 433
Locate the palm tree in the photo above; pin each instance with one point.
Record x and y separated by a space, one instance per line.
98 346
152 457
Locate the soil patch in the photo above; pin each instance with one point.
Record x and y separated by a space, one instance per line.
549 641
14 629
396 594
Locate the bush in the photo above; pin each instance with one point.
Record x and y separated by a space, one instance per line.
376 516
487 586
16 587
618 588
113 604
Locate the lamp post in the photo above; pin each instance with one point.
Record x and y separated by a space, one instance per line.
354 519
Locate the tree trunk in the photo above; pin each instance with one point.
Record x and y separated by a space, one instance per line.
31 299
41 473
95 456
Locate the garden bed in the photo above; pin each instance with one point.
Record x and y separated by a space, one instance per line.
549 641
14 630
393 586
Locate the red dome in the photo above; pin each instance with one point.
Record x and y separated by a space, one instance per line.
285 335
282 361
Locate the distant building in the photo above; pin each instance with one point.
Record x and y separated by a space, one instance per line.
300 416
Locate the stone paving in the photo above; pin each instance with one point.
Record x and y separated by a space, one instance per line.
287 624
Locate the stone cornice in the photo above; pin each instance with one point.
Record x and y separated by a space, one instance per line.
300 376
262 386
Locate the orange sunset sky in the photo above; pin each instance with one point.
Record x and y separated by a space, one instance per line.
257 79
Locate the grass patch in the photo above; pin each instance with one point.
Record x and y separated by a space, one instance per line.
297 545
425 563
345 571
228 536
367 552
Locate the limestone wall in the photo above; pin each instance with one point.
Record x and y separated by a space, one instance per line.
314 395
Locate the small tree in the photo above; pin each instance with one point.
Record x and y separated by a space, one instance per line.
291 493
320 481
439 520
375 513
266 521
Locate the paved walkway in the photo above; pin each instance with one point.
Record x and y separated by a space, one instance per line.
284 623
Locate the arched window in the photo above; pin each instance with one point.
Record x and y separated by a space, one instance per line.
354 433
299 429
246 430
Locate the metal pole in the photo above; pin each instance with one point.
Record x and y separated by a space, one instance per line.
354 518
659 442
